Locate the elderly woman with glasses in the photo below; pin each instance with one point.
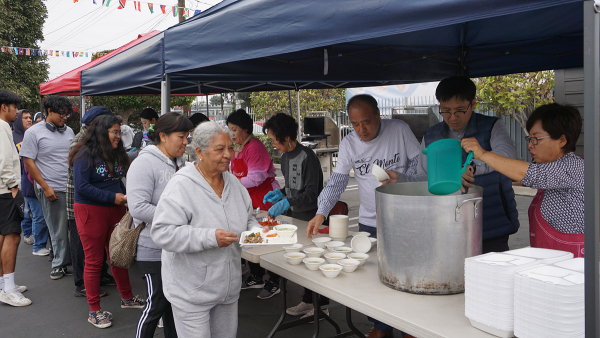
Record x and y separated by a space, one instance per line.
199 217
556 218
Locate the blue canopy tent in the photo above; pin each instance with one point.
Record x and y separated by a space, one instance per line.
254 45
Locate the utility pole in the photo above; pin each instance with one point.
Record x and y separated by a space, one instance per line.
181 5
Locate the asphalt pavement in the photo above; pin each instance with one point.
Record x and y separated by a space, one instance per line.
55 312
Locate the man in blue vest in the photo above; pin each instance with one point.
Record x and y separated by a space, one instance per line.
457 99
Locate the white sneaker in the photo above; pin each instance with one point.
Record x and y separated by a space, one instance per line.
42 252
312 314
160 323
300 309
28 240
14 298
21 288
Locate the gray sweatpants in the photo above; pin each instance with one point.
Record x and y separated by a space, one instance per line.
219 322
55 213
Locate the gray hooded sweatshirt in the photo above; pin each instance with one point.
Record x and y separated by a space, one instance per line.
196 273
147 177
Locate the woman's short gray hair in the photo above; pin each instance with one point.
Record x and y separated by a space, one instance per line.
205 132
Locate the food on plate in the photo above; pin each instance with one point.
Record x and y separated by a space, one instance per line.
253 238
330 269
269 222
272 235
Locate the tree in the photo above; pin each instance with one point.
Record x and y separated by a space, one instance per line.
266 104
515 95
21 26
215 100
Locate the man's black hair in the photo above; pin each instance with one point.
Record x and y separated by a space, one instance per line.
149 114
7 97
366 99
459 87
58 104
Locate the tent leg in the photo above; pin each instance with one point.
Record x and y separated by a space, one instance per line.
82 107
591 98
290 99
299 119
165 95
42 105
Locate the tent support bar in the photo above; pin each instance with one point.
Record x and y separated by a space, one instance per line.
304 85
290 99
182 88
165 95
82 106
217 87
148 87
253 86
299 121
280 85
591 99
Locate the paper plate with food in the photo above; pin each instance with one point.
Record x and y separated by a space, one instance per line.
281 234
264 221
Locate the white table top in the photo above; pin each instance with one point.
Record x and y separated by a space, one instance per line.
420 315
253 254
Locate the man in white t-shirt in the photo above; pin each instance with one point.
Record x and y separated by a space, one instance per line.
388 143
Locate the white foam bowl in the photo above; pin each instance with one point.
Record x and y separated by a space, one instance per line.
321 241
342 249
313 252
295 258
288 232
348 264
360 257
330 270
373 241
334 244
379 173
313 263
338 239
334 257
361 244
293 248
364 233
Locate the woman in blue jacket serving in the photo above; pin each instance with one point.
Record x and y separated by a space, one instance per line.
99 162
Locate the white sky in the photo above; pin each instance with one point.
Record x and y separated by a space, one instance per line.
85 27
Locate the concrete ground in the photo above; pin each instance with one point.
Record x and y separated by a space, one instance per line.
55 312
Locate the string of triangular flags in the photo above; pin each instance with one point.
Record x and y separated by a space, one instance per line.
42 52
137 6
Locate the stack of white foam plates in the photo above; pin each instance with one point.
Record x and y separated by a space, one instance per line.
489 286
550 300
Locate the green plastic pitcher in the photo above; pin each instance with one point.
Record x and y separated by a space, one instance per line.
444 166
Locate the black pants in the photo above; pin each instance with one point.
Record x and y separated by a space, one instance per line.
156 306
77 255
307 298
496 244
258 271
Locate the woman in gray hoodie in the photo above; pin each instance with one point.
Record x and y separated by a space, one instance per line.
200 215
147 178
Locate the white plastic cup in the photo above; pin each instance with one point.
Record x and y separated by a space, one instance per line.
338 226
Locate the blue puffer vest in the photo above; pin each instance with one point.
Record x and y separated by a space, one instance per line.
500 215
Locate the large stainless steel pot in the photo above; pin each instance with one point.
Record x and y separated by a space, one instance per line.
423 239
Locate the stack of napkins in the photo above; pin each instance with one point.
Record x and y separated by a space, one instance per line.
550 300
489 286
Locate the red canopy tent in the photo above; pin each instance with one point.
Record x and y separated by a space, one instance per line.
70 83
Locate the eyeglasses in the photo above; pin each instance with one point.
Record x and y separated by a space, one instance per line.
535 140
459 114
63 115
117 133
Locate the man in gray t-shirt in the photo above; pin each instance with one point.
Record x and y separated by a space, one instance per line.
45 153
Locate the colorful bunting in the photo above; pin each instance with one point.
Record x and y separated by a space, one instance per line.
163 8
107 2
151 8
121 4
137 6
175 10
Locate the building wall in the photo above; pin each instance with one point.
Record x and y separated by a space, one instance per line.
568 89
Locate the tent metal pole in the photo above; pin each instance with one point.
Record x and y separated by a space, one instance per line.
299 120
82 107
290 99
165 95
591 99
207 112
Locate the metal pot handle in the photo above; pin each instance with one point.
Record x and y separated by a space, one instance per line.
477 200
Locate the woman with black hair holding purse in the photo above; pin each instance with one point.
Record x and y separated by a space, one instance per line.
99 162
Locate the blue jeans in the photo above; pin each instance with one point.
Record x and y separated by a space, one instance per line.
377 324
38 224
26 222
